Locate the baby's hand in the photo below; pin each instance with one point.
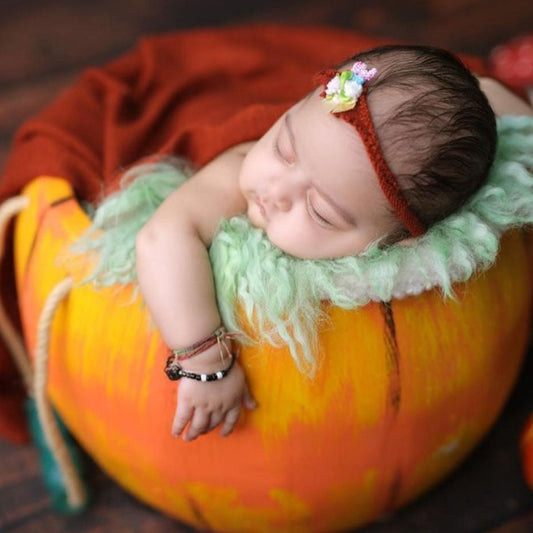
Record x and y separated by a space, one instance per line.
205 405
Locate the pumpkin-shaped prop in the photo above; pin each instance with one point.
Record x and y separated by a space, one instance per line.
404 390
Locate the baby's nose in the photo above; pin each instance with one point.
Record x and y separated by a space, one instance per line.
283 204
281 198
285 192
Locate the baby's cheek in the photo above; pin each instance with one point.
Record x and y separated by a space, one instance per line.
292 239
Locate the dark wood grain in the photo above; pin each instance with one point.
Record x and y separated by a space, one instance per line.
44 45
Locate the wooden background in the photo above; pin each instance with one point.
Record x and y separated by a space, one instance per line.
45 44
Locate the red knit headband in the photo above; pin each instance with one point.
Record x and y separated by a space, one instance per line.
358 115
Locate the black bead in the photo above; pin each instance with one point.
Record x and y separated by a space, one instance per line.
173 372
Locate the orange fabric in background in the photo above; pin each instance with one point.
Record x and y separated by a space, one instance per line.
191 93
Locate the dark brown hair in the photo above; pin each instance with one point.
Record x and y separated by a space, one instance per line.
439 137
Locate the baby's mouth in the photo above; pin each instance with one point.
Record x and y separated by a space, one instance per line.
261 207
260 204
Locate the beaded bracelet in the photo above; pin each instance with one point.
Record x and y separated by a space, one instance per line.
174 372
173 368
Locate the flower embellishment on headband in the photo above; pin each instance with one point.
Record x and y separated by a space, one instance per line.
343 90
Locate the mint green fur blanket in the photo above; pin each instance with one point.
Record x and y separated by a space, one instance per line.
281 296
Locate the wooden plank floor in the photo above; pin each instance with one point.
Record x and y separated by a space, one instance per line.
45 44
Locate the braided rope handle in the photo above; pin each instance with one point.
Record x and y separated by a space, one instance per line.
35 380
11 337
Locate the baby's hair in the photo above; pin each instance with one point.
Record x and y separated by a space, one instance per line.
439 133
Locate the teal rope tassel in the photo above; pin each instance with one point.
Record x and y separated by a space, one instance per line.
51 473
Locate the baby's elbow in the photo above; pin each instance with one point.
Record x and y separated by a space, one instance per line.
146 242
156 240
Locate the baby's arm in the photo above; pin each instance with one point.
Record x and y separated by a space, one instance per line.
176 281
502 100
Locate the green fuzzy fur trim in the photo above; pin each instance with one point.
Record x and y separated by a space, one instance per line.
110 242
288 310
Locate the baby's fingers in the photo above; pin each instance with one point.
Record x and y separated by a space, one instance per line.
181 419
216 418
248 400
199 425
230 420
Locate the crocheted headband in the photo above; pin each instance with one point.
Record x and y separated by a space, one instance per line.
345 96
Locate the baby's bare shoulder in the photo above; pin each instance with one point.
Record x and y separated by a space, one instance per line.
224 168
502 100
233 155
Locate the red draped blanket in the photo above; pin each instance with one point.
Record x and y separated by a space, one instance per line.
192 93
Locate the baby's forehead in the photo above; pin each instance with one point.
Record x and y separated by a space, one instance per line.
324 141
384 105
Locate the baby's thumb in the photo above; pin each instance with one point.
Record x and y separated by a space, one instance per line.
248 399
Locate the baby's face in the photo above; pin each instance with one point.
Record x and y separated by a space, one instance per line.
310 186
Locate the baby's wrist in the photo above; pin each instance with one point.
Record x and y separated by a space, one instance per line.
209 356
210 360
